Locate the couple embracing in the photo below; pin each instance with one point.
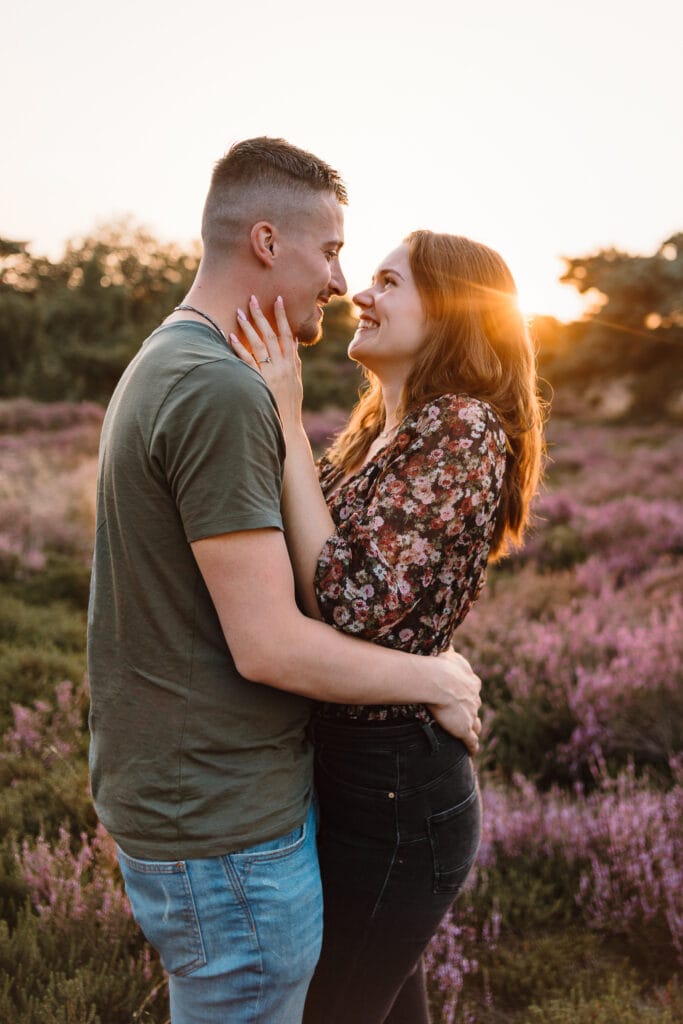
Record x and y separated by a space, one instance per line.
282 736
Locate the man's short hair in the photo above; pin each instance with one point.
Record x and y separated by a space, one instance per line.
261 179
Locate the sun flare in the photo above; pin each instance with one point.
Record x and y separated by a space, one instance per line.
538 298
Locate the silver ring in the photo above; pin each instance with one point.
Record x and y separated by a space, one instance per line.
266 360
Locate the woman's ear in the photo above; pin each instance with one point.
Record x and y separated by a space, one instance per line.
263 242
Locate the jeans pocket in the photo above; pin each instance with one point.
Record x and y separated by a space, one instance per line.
454 838
273 849
163 905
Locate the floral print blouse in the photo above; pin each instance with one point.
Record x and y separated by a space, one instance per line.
413 533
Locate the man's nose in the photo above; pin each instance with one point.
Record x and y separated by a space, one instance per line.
338 283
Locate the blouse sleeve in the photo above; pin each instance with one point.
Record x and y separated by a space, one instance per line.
434 500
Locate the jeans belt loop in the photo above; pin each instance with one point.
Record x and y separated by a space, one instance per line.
431 738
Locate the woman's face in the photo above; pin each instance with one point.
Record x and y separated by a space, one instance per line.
392 325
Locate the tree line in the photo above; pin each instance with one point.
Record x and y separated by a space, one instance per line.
633 333
68 327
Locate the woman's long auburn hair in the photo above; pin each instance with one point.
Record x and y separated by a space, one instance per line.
477 344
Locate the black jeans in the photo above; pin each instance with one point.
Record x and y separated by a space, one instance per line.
400 820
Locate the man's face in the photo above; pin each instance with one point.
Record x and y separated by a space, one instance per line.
311 272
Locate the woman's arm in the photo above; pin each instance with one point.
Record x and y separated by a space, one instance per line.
307 520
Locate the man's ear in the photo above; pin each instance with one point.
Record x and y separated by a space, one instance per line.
264 242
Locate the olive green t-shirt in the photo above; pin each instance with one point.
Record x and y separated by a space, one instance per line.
188 759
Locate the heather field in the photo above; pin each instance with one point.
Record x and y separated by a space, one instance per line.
574 913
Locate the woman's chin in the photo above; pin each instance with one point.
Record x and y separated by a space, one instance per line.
355 349
360 355
359 343
361 351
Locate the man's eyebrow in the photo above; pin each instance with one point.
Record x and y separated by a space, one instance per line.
334 244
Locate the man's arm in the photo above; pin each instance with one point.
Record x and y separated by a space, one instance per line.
249 578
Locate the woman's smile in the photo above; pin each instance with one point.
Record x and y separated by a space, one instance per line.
366 324
391 317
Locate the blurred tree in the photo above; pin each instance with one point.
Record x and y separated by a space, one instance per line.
330 377
68 329
19 327
634 335
639 292
9 248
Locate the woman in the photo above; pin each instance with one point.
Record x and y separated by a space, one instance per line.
432 477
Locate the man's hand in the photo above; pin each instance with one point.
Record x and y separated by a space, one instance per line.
458 713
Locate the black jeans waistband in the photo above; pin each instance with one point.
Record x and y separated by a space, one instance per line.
352 732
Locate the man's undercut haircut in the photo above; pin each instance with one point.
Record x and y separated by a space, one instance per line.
262 179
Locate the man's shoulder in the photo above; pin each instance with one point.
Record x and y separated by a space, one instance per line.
185 346
188 361
185 381
221 380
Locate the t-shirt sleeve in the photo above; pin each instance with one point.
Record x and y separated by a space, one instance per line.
217 444
432 508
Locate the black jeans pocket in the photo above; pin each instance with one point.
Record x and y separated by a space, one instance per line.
454 838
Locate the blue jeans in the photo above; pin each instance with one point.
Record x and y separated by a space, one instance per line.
239 935
399 830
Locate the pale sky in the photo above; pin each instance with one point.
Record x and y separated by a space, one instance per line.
542 129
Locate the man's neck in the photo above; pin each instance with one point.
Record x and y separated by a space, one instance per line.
218 303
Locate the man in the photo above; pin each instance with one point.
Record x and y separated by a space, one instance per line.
201 664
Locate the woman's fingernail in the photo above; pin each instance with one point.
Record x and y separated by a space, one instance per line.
233 338
254 301
240 314
278 301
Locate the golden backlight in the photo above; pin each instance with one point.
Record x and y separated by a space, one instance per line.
541 299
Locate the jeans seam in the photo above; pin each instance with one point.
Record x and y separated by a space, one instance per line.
378 901
194 921
238 890
453 812
439 871
397 836
153 867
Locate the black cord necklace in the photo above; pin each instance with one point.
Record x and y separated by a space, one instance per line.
206 316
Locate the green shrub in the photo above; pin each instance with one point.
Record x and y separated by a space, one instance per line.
622 1002
63 579
37 796
39 647
22 623
531 891
532 967
562 547
28 674
528 732
79 976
